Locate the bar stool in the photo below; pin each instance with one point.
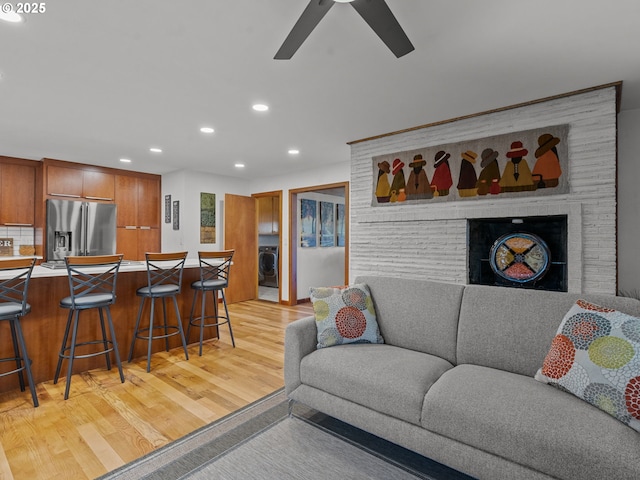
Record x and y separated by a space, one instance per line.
14 306
92 284
214 278
164 279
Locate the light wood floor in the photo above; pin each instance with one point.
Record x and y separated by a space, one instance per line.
105 424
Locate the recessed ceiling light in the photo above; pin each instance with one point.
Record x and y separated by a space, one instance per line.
239 165
155 150
260 107
8 15
125 160
294 151
207 130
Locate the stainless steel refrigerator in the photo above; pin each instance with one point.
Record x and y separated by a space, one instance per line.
80 228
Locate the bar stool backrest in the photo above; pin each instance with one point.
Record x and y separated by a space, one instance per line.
13 290
165 269
215 266
92 279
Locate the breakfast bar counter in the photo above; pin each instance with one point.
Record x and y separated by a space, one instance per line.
44 326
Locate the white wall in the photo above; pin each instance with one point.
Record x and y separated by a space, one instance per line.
629 201
185 186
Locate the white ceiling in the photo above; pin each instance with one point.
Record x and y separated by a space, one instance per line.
95 80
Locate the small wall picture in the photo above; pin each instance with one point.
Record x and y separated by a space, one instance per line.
327 225
176 215
207 217
167 209
308 219
340 219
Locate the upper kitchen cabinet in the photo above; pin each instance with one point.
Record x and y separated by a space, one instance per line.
268 215
17 191
138 200
79 182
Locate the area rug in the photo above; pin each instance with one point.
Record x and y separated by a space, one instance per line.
261 441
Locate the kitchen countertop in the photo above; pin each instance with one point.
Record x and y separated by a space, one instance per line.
126 266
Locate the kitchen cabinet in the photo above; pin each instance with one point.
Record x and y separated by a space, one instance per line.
133 242
80 183
17 194
138 218
268 215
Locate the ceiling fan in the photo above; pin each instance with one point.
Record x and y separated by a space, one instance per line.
375 12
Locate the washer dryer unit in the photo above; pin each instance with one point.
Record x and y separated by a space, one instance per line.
268 266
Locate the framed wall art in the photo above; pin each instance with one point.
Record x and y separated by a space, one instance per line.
176 215
167 209
207 217
327 225
529 163
308 221
340 225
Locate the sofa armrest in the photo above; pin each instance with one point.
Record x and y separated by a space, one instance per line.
300 340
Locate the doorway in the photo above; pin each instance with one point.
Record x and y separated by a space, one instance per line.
301 251
269 264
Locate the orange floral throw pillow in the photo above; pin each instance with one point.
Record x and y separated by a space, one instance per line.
344 315
595 355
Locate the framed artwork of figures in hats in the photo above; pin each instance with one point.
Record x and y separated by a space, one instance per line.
526 163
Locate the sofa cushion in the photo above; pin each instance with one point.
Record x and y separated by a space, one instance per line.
512 328
596 356
344 315
384 378
516 417
417 314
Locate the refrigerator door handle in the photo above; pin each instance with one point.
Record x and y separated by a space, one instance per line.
84 214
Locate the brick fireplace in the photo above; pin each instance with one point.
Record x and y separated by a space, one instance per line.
429 241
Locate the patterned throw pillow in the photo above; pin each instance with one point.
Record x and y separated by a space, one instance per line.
596 356
344 315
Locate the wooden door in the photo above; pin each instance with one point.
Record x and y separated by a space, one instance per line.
241 234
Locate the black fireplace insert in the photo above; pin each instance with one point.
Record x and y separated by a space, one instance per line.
525 252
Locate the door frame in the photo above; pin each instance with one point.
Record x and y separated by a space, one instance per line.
278 194
293 235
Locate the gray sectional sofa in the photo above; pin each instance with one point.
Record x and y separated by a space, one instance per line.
454 381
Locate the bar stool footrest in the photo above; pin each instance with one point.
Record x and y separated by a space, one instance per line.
158 327
197 320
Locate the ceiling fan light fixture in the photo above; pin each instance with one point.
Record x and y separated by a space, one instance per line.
343 1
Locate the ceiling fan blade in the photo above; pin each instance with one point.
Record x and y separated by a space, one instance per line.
380 18
303 27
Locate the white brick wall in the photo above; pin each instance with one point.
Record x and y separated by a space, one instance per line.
429 240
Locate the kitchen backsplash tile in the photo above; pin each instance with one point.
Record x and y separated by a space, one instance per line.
22 236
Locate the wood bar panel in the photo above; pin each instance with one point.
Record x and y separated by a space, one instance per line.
44 326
